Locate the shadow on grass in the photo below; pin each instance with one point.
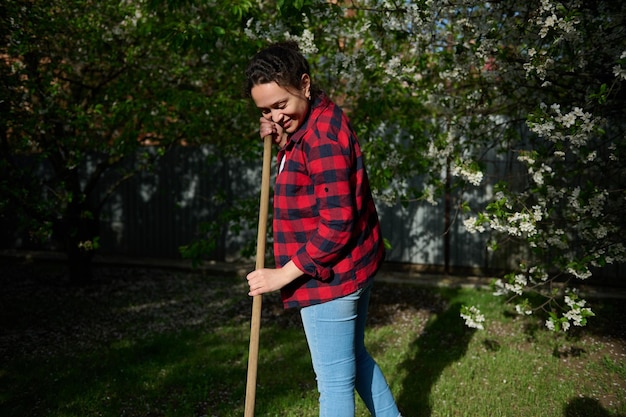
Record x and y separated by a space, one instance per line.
444 340
153 376
184 373
586 407
441 338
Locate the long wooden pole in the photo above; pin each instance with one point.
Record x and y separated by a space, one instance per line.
257 300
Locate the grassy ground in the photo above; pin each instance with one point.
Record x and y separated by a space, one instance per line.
142 342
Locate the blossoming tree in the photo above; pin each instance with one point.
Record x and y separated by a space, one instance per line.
439 88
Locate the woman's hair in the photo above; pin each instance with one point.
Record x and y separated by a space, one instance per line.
282 63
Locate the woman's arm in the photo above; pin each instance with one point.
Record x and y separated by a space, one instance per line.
268 279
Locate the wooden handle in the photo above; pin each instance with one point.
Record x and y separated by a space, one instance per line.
257 300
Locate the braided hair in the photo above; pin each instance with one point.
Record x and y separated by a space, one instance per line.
282 63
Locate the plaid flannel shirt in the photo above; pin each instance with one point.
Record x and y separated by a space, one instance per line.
325 219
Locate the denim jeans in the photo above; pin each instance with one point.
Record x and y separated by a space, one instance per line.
335 334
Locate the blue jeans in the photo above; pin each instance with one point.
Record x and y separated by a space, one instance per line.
335 333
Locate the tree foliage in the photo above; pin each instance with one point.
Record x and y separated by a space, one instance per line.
88 85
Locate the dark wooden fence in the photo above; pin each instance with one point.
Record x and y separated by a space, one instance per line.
156 212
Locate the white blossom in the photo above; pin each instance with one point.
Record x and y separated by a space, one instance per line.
473 226
584 274
473 317
474 177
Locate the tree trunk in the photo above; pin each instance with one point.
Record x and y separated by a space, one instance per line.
79 232
79 266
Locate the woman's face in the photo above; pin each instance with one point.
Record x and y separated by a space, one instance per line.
285 107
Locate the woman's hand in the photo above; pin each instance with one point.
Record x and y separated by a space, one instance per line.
268 127
266 280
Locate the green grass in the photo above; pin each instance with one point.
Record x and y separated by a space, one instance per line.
161 343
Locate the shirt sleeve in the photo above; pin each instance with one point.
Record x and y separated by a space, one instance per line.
331 164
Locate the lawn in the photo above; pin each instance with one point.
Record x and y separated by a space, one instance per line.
155 342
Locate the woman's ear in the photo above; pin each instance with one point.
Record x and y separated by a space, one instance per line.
306 85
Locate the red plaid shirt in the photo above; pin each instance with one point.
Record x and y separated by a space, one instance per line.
325 219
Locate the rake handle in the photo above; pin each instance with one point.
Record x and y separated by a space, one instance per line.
257 300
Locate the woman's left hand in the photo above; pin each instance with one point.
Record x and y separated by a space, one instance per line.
266 280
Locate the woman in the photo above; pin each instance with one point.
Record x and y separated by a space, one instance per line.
327 238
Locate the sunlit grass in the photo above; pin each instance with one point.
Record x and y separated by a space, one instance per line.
174 344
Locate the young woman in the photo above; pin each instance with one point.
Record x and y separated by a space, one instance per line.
327 239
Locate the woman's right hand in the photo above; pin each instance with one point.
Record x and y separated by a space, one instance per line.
268 127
